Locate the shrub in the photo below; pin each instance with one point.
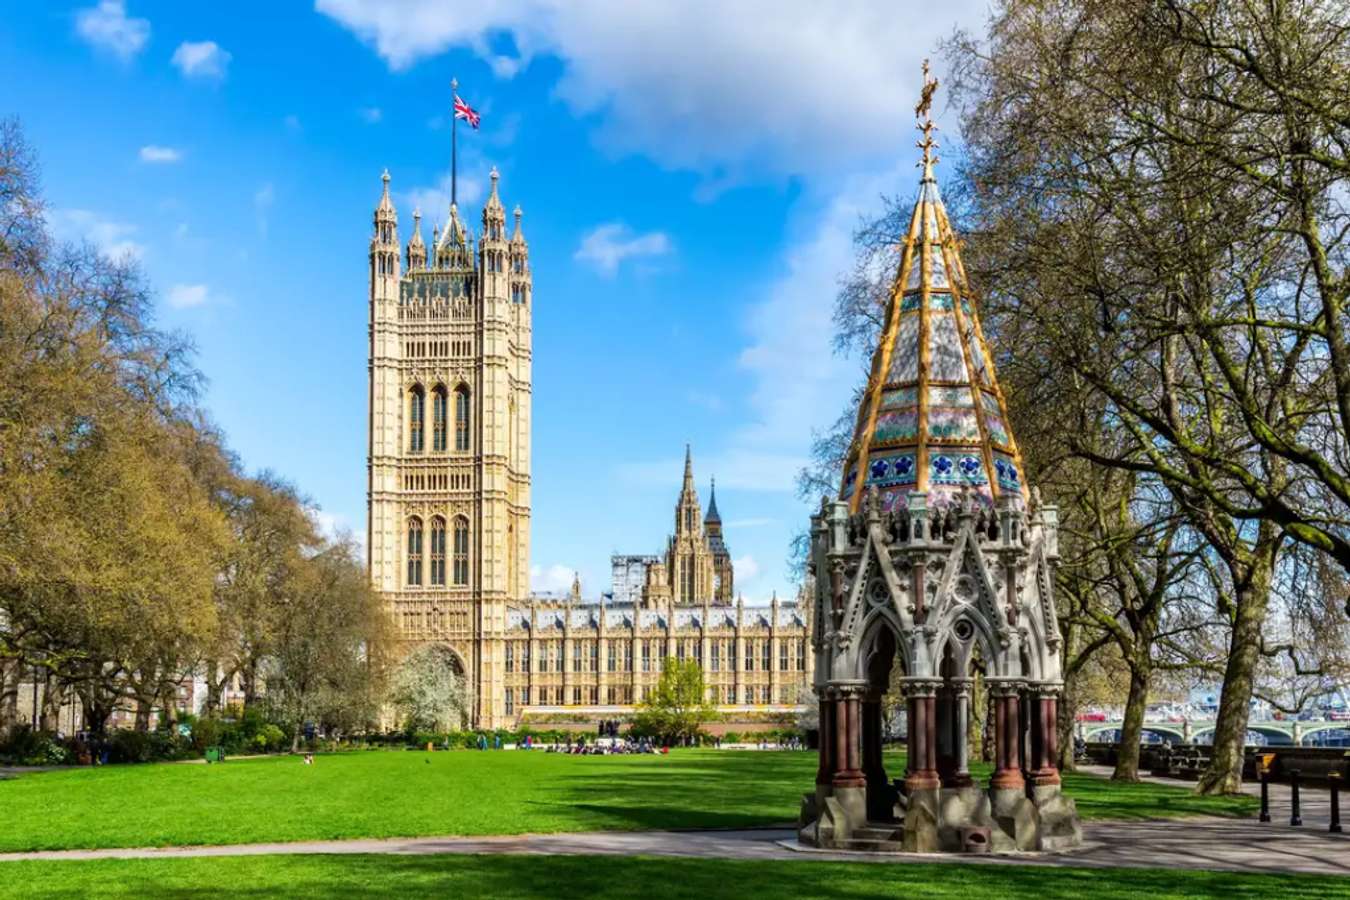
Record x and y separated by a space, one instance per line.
26 747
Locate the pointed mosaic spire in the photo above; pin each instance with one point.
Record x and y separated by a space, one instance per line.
933 418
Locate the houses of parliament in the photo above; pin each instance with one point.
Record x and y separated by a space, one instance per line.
448 508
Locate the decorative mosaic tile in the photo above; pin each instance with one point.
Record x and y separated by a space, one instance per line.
945 496
990 403
905 357
900 397
940 395
940 302
910 302
912 280
898 425
1008 476
953 425
850 479
890 468
945 362
998 432
953 468
938 272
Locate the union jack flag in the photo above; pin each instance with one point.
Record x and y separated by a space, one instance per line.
466 112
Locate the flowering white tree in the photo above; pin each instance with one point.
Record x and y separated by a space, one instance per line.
429 691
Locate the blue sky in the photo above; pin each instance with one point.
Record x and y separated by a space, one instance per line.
690 175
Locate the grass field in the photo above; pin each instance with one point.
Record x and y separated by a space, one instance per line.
406 794
647 878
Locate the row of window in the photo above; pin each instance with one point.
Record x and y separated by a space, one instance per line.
623 695
440 401
585 655
436 558
437 481
420 349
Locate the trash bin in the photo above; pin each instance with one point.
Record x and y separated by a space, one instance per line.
215 754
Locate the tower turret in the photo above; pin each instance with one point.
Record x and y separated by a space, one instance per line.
521 282
454 248
417 251
384 237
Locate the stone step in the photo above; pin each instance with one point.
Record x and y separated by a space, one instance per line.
871 832
874 846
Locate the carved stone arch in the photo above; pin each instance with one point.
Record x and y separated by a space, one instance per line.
985 634
965 565
900 590
879 619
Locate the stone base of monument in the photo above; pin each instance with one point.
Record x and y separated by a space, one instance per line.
948 820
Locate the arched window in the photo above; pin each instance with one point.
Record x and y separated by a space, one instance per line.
414 552
416 417
461 558
461 418
438 551
439 408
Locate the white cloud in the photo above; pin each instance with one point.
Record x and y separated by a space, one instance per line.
113 239
785 86
434 199
106 27
153 153
202 59
186 296
370 114
262 205
606 246
556 577
745 568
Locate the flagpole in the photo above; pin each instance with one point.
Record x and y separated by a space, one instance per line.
454 141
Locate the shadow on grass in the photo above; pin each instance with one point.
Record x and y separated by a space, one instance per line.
655 878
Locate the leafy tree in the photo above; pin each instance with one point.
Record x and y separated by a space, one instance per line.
678 706
327 654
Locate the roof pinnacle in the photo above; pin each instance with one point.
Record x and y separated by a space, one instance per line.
922 112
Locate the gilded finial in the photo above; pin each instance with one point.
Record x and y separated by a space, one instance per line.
923 112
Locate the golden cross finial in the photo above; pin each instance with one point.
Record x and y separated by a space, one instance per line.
922 112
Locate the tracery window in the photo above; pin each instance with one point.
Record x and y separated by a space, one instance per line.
438 551
416 417
461 418
782 656
461 551
414 552
766 656
439 407
801 656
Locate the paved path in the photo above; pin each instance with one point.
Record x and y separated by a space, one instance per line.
1241 845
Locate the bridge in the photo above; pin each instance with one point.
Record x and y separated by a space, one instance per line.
1272 733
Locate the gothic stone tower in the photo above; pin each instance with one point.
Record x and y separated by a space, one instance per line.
449 467
689 561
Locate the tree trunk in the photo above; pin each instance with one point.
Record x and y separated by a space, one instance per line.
143 710
1132 729
53 696
1066 713
1224 775
9 696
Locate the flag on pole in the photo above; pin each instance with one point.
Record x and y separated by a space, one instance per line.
466 112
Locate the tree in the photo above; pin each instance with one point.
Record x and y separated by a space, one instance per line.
677 707
328 651
429 691
1153 210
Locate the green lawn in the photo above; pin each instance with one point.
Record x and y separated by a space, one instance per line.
405 794
647 878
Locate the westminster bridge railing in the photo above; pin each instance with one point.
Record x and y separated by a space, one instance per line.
1272 733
